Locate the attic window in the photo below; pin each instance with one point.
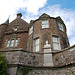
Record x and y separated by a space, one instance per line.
45 24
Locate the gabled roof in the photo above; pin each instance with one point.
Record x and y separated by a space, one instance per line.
44 15
22 25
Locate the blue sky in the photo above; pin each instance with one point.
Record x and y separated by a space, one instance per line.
32 9
64 3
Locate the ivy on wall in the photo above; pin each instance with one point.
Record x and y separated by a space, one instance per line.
3 65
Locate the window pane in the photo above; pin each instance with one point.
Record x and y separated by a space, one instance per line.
16 42
36 45
31 30
44 21
56 46
8 43
60 26
12 43
56 43
45 24
55 39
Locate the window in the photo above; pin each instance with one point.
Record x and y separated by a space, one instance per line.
15 28
36 45
16 41
12 43
8 43
56 44
45 24
31 30
60 26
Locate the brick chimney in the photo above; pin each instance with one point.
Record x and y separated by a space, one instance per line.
19 15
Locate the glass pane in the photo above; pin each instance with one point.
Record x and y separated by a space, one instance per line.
31 30
37 48
12 43
36 45
56 46
8 43
44 21
16 42
60 26
45 24
37 41
55 39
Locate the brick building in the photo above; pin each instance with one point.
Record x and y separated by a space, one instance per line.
40 46
33 36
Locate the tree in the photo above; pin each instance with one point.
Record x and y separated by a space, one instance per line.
3 65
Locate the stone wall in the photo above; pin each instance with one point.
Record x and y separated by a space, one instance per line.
61 59
65 57
69 70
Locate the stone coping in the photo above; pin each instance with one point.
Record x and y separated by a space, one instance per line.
21 49
44 67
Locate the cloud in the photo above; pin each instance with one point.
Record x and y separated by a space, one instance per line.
11 7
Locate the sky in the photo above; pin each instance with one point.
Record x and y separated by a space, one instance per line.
32 9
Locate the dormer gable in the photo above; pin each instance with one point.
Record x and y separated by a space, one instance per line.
44 16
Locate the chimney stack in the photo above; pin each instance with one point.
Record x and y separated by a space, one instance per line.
19 15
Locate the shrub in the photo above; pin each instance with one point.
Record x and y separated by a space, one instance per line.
3 65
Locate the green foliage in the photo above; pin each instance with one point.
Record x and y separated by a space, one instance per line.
3 65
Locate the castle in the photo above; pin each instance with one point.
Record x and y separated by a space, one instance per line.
42 43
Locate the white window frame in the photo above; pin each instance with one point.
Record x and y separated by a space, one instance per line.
45 23
36 45
56 43
60 26
31 30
